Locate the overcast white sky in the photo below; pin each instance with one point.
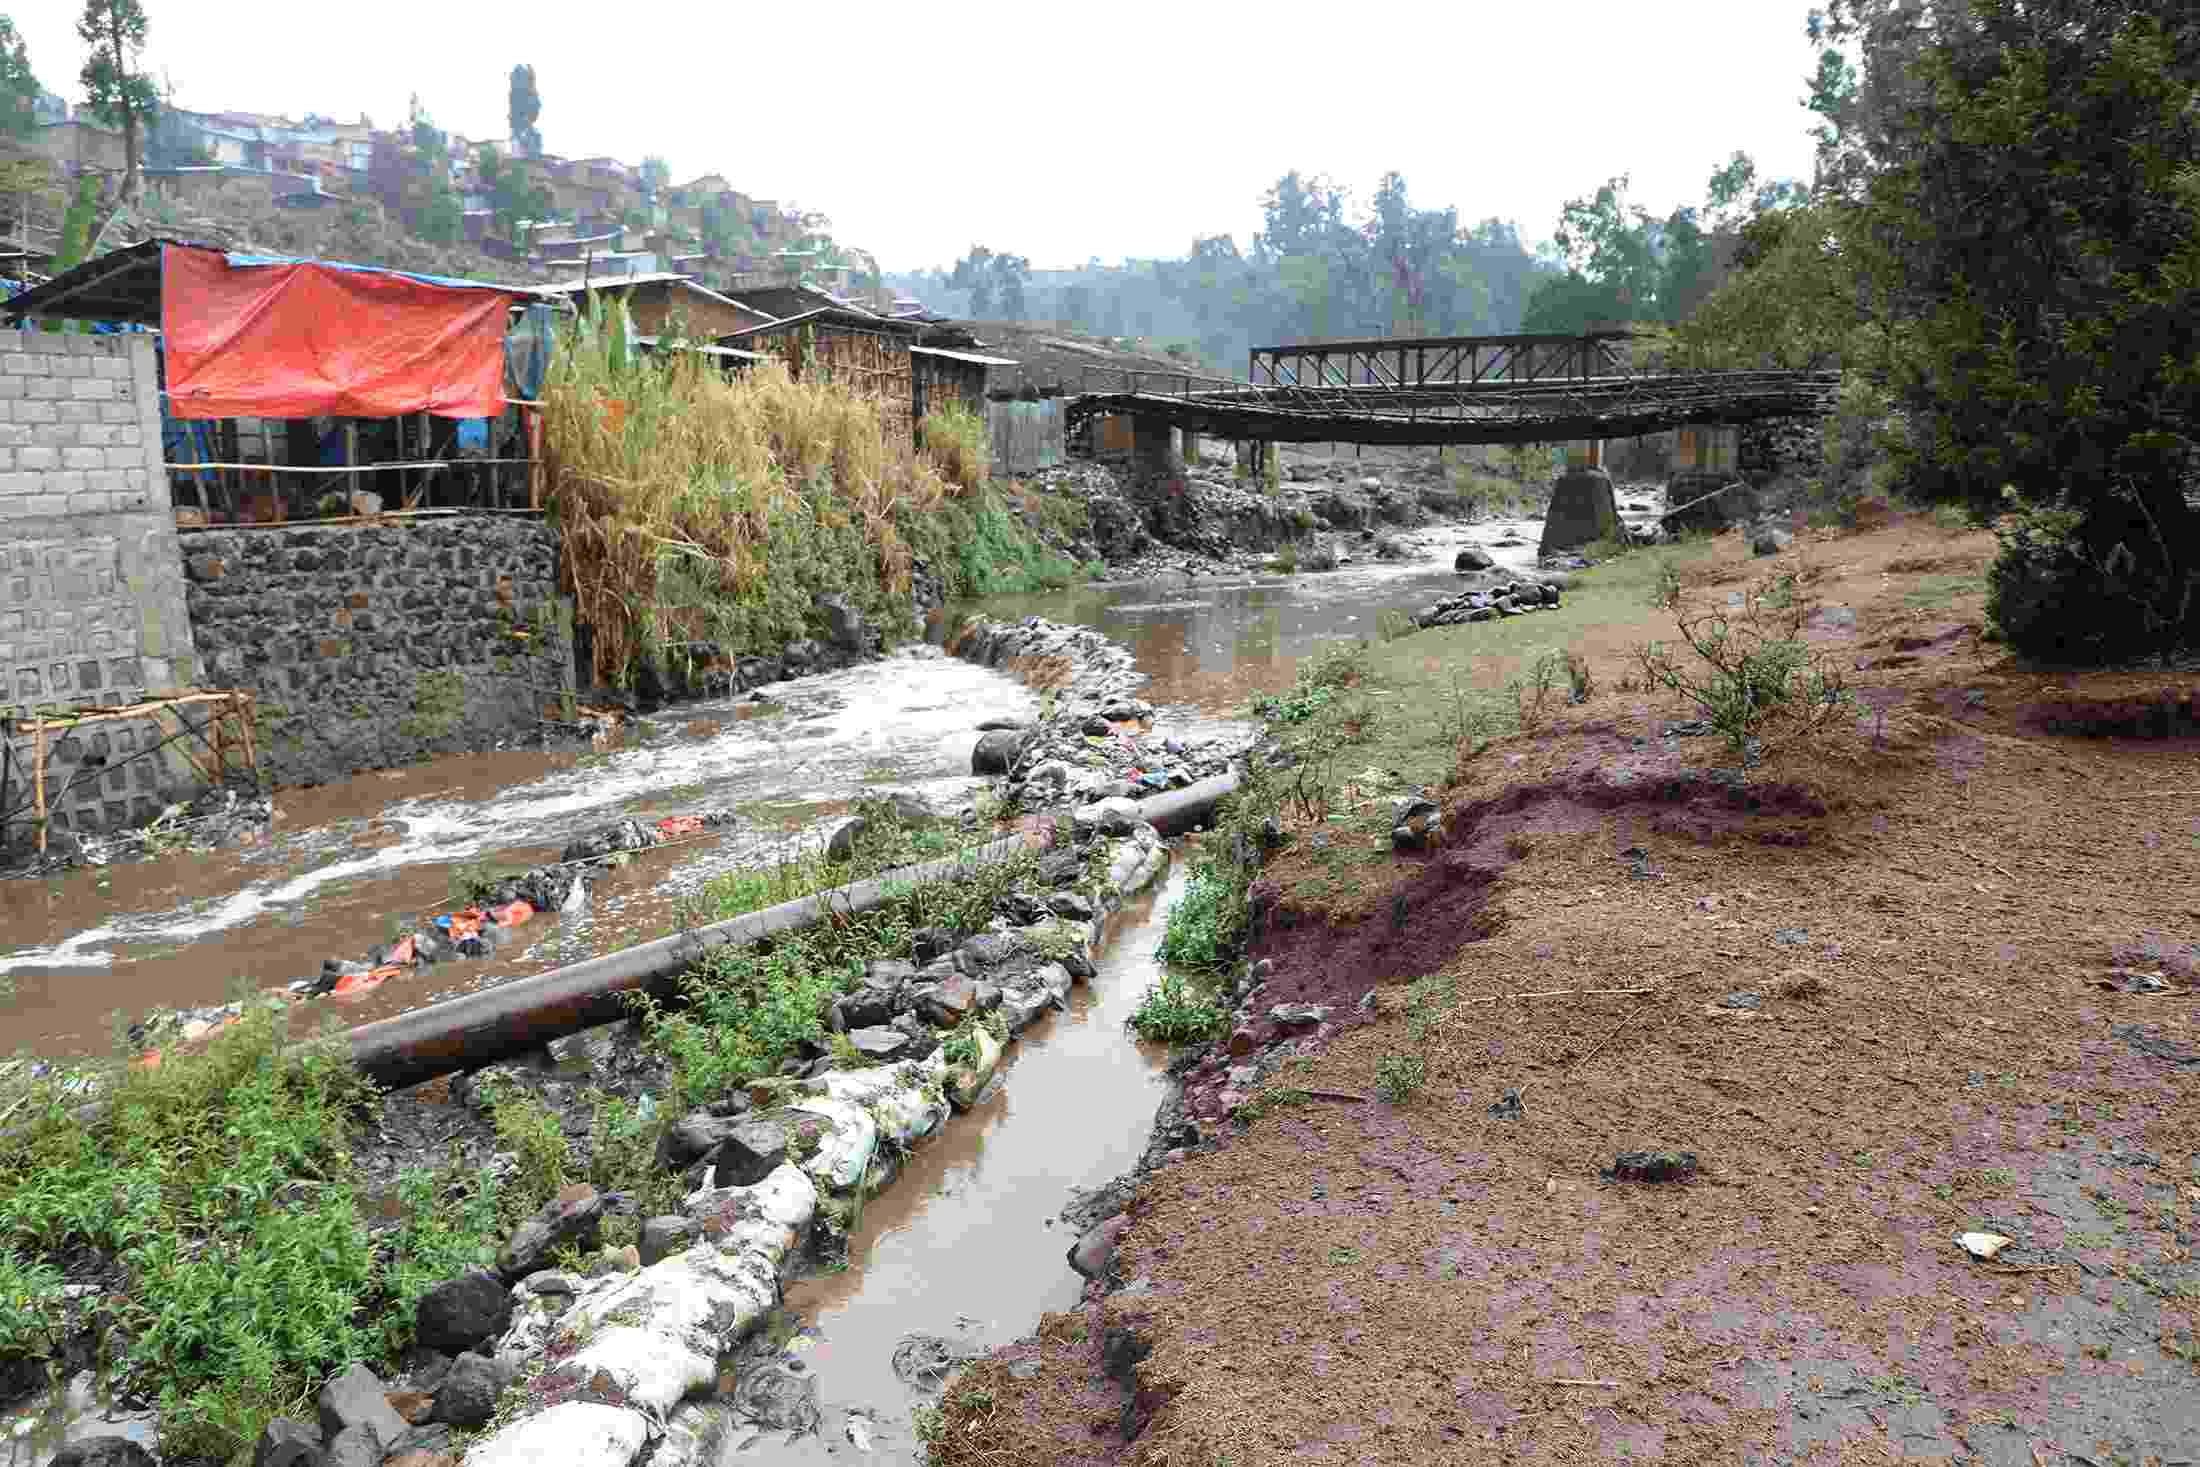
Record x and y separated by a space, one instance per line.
1051 130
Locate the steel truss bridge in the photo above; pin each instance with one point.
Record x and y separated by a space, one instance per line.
1452 389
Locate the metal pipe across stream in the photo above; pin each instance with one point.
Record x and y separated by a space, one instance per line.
479 1029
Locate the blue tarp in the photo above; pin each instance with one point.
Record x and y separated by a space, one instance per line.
247 262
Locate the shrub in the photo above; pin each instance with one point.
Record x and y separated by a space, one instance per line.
1580 681
1176 1012
1205 923
1319 556
2077 587
1286 559
1752 676
1400 1076
956 442
1393 624
1532 691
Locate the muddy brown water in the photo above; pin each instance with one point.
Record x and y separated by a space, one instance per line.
965 1244
351 864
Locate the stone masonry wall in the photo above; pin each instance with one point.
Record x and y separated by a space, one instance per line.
379 644
91 581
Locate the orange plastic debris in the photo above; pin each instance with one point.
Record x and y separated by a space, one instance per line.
359 985
150 1060
511 914
679 825
402 952
466 924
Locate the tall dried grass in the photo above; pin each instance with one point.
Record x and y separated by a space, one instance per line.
701 508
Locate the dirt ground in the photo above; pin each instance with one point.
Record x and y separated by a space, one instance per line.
1932 975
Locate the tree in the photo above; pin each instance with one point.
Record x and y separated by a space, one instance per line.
525 108
2026 220
433 143
514 193
974 273
18 85
656 175
115 84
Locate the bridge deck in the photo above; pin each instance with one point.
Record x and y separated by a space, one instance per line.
1547 410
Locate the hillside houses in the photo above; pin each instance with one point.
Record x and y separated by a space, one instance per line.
602 214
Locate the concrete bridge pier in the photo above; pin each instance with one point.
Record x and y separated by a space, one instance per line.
1191 446
1153 448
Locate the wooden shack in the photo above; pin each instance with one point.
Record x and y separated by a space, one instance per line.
654 300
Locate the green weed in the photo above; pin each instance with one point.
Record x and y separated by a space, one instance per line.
1174 1011
1400 1076
1205 923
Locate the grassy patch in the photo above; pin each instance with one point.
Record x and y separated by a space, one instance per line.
1934 592
1178 1010
221 1183
1205 922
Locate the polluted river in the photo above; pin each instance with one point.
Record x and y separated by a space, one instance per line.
966 1245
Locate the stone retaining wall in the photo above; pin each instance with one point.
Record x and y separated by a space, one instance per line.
374 645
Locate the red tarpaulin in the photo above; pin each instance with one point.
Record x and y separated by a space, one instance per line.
306 339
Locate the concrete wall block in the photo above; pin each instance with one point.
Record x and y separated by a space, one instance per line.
38 459
52 435
114 367
15 435
84 458
34 410
26 364
94 389
11 387
71 367
19 483
77 413
49 388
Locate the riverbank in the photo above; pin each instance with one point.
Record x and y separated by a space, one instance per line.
801 1074
1650 1098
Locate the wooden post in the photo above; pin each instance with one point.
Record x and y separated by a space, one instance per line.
251 744
38 778
532 417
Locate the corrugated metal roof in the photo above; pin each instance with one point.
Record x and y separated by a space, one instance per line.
708 351
620 282
962 356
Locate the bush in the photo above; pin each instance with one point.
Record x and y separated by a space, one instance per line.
1175 1012
2073 587
1286 559
1400 1076
1393 624
956 442
1752 676
1205 923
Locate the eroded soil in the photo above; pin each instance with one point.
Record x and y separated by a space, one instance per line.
1930 975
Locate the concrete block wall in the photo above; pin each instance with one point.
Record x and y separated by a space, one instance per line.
91 578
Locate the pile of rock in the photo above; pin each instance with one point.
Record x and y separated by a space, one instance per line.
1100 741
1514 597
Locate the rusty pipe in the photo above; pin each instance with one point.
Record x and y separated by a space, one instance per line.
478 1029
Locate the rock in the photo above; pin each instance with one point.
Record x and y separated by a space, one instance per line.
1769 541
354 1446
569 1434
287 1443
1093 1255
1710 511
460 1313
878 1042
948 1003
693 1137
1582 511
109 1451
844 625
413 1406
1070 905
865 1007
420 1457
776 1397
357 1399
841 844
1652 1166
469 1394
1115 816
1473 558
1300 1013
752 1150
664 1236
988 997
1743 1000
573 1216
1243 1041
1389 548
997 752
